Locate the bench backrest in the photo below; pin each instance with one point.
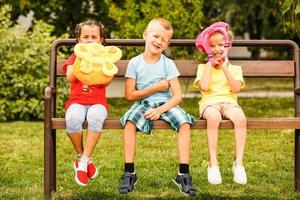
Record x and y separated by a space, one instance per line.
188 68
251 68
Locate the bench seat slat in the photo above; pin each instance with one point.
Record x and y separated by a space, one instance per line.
252 123
272 68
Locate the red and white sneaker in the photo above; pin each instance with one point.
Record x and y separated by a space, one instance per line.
92 171
81 175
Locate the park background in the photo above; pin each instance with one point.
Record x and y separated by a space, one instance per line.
28 28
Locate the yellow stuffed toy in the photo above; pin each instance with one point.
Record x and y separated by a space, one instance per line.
94 63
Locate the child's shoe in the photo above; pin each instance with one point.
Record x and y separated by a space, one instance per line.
92 171
239 174
214 175
81 177
128 181
184 182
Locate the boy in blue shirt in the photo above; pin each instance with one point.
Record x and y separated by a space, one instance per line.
152 82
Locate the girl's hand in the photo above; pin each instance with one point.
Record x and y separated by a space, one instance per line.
69 74
152 114
225 63
208 64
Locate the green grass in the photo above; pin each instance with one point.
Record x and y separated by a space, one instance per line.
268 160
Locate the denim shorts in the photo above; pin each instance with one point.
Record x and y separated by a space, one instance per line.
76 114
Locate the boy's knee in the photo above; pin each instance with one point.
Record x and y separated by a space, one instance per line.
129 126
185 127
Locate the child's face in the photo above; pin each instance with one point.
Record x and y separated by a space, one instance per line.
217 42
90 33
157 39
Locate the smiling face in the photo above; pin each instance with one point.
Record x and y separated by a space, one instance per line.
217 42
89 34
157 38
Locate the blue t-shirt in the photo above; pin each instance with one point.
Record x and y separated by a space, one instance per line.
147 75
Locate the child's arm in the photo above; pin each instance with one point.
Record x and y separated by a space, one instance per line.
204 81
69 74
133 94
176 99
235 85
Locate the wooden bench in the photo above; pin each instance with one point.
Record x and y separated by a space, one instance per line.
251 68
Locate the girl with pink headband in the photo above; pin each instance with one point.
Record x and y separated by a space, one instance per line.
219 83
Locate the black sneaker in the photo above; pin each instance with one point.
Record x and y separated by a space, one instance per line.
128 181
184 182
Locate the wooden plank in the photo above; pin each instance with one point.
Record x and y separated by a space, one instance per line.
252 123
251 68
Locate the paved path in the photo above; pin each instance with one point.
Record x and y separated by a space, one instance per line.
117 89
260 94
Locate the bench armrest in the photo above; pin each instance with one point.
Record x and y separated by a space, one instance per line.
297 91
49 91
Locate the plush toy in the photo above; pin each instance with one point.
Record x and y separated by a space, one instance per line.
203 45
94 63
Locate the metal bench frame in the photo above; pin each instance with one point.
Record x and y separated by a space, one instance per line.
251 68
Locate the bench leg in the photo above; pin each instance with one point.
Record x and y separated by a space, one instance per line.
49 163
49 150
297 160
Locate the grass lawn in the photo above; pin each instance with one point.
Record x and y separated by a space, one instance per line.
269 160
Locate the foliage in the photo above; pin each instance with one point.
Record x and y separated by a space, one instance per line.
258 19
132 17
24 65
64 15
291 16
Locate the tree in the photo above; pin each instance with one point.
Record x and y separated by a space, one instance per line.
260 19
63 15
131 18
24 65
291 16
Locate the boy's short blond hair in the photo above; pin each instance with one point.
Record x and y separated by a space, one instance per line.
163 22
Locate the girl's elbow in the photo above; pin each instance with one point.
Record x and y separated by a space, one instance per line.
204 88
70 78
236 90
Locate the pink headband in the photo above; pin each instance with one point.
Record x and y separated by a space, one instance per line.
202 42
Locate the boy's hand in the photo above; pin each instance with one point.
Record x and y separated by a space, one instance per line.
152 114
163 85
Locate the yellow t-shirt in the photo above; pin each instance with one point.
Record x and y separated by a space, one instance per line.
218 88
